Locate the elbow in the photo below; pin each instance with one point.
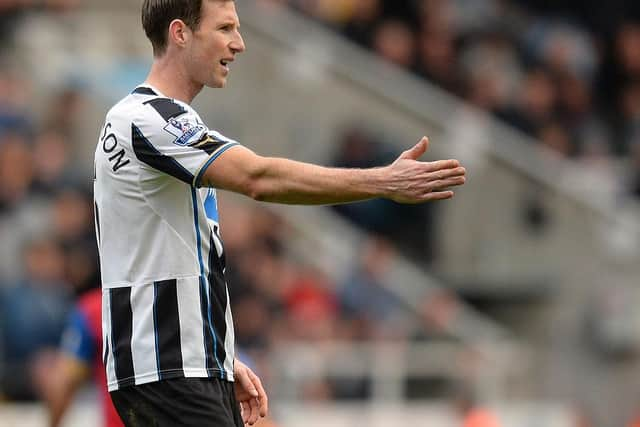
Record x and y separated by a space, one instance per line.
249 177
252 190
258 182
254 186
257 191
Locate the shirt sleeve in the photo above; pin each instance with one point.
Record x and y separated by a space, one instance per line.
172 139
77 340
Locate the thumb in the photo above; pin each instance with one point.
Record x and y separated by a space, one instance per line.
417 150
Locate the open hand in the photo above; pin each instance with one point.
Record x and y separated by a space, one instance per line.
412 181
249 393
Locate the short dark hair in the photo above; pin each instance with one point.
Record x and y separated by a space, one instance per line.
158 14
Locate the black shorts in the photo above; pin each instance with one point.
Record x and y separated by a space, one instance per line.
179 402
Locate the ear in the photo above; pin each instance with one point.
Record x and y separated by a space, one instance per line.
179 33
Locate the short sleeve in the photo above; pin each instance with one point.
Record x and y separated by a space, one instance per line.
171 138
77 340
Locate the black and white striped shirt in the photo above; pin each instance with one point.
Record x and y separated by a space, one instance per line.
165 303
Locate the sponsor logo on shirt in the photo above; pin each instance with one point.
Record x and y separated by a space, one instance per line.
186 132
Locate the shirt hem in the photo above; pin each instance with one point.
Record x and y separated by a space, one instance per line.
168 374
148 281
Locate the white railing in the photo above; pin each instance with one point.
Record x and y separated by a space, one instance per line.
493 369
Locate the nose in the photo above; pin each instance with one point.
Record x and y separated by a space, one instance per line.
237 44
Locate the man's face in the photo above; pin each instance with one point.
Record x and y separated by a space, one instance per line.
215 43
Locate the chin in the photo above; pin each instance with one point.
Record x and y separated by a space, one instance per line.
217 83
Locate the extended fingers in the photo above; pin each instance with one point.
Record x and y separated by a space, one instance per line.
447 173
437 195
441 165
447 182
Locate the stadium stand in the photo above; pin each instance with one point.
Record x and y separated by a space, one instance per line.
539 242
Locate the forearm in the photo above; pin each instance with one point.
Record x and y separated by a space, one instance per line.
287 181
58 398
60 385
57 407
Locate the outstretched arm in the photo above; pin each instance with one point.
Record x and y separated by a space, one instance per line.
278 180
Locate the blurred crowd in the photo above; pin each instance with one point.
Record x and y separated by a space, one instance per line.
12 10
564 72
571 83
48 253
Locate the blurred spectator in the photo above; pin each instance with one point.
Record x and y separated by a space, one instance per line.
437 56
72 219
562 47
364 20
60 376
64 109
33 311
16 171
437 59
252 317
554 136
436 15
52 162
574 99
491 69
535 105
73 227
629 131
476 16
627 50
312 308
13 111
373 309
394 41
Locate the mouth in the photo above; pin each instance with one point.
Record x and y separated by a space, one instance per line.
225 63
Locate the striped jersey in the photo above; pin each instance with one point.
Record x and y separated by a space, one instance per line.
165 303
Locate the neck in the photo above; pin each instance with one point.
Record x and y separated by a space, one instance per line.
171 79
